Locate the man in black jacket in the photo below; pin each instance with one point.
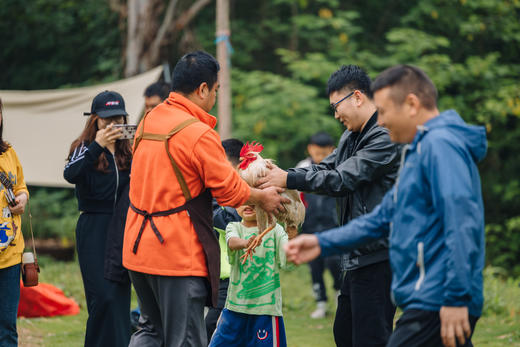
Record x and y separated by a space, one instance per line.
358 173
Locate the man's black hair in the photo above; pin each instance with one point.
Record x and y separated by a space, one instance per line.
404 80
161 89
350 77
321 139
232 148
192 70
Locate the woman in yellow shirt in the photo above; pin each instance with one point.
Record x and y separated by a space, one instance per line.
11 241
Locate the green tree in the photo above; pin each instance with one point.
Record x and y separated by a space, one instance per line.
284 52
48 44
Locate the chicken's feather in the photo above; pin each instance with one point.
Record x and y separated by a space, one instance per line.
294 213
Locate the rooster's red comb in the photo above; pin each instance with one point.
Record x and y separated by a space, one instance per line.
253 147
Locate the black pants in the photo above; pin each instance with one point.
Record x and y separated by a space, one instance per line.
365 311
214 312
108 302
318 266
422 328
174 310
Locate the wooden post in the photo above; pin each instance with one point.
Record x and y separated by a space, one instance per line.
223 56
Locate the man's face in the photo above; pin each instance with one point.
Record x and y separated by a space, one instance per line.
394 117
318 153
151 102
346 111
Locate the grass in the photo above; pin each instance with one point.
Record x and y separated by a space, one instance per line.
500 325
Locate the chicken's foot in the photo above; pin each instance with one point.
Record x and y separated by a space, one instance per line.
256 242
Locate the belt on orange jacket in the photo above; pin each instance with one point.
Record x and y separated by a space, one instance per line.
149 217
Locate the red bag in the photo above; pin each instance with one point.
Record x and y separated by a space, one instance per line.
45 300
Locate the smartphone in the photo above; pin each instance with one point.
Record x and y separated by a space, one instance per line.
128 131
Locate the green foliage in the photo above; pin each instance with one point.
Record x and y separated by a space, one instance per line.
498 292
503 245
51 43
280 113
54 214
469 48
284 52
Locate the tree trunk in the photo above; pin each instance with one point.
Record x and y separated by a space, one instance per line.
224 94
145 38
134 38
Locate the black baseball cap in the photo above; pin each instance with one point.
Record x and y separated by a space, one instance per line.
107 104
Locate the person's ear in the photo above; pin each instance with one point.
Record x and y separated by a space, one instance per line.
360 98
201 90
412 105
204 90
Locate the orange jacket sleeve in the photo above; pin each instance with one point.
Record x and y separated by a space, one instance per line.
209 158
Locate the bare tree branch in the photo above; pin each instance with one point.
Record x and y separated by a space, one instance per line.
167 22
185 18
145 37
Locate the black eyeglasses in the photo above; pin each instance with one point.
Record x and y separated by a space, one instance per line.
335 105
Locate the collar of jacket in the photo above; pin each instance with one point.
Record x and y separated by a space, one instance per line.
422 129
416 143
372 121
193 109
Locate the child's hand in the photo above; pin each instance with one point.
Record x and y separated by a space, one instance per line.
249 248
250 241
236 243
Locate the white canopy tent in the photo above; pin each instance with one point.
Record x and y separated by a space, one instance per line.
42 124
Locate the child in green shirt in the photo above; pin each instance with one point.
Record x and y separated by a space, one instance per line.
253 312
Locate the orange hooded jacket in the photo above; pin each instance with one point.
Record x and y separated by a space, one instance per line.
198 152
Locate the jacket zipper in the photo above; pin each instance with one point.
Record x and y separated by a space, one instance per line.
117 181
420 264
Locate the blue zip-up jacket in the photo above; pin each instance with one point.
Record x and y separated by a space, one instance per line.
434 218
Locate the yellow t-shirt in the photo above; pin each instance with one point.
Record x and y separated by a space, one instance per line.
11 238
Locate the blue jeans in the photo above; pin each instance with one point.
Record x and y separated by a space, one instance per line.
9 299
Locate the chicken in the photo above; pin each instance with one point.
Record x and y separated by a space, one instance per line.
251 169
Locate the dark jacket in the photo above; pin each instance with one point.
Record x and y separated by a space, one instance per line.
320 210
96 191
223 215
100 192
358 173
114 269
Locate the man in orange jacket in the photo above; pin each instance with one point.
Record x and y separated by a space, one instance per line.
170 247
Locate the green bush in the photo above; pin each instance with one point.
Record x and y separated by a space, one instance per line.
503 245
500 292
268 108
54 214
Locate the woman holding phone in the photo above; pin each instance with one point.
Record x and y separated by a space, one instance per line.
11 240
99 165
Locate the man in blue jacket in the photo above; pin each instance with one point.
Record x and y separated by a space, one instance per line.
433 215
